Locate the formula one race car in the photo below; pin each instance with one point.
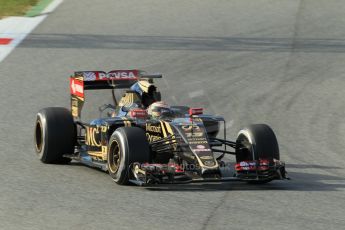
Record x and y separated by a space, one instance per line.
141 140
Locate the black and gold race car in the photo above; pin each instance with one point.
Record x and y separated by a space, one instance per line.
181 145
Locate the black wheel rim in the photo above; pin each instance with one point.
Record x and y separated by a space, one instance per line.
114 156
38 136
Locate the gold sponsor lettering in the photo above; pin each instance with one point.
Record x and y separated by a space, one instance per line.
74 102
152 138
74 107
91 134
127 100
153 128
74 111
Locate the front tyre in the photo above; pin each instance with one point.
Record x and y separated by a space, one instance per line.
257 142
127 145
55 135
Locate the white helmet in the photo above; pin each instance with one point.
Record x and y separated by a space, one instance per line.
157 109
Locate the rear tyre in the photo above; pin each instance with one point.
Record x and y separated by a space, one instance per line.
55 135
127 145
257 142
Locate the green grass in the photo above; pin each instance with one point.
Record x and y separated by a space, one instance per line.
15 7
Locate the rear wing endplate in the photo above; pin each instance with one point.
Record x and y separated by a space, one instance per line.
92 80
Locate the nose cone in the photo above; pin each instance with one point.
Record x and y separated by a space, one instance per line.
196 137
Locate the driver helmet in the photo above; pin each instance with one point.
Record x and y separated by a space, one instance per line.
157 109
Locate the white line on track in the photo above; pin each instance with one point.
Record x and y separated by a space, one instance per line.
17 28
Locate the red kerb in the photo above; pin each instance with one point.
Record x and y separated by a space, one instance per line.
5 41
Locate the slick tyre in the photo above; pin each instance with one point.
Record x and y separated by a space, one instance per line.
256 142
55 135
127 145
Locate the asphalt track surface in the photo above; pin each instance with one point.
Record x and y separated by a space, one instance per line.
275 62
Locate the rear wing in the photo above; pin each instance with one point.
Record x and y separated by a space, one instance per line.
93 80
